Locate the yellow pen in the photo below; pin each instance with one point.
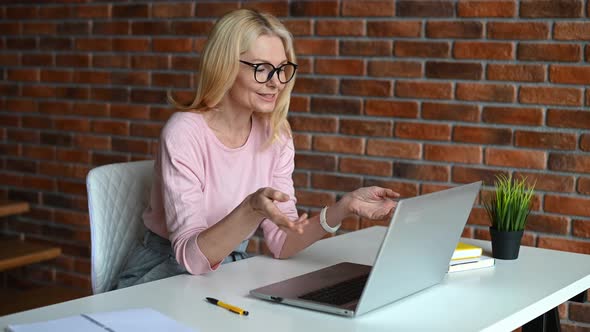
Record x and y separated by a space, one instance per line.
229 307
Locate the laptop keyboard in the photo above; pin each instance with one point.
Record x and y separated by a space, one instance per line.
340 293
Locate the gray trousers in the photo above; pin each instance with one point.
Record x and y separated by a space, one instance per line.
153 259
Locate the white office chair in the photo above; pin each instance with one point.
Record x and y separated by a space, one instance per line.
117 196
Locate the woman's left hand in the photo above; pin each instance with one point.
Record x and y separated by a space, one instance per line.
371 202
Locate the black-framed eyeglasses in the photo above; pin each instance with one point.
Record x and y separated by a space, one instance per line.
264 71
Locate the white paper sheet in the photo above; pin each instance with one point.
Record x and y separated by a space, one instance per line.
140 320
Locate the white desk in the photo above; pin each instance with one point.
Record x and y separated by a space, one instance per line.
495 299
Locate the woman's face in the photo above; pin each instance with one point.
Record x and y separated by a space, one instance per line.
246 92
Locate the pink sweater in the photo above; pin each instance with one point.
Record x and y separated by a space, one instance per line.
198 181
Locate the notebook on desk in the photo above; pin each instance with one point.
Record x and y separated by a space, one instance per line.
413 256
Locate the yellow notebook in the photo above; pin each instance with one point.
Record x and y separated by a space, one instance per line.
465 250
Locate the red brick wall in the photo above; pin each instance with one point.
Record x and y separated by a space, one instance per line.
414 95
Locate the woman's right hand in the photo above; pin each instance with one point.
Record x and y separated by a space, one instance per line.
262 204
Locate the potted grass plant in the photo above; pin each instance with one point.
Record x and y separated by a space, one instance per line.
508 210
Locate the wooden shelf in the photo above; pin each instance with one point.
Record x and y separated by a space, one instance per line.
9 208
16 253
21 300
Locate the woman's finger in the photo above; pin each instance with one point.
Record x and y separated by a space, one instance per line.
275 195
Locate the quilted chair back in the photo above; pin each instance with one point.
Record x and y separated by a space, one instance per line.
117 196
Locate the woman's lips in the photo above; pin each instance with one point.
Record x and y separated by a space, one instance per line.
270 97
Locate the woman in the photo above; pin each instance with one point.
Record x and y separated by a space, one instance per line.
224 165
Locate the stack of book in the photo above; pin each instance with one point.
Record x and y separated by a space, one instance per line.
469 257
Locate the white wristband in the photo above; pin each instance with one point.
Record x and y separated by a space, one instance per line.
325 225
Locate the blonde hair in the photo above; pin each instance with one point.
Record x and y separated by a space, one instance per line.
230 37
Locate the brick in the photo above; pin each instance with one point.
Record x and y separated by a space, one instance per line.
305 46
24 13
486 92
453 153
569 162
300 179
386 68
544 140
579 312
192 28
454 70
299 27
394 149
299 104
168 79
482 135
571 31
305 65
24 75
336 106
365 166
404 29
72 60
405 189
92 11
55 108
90 109
398 109
55 44
365 127
513 115
486 8
56 12
93 44
26 166
416 89
21 105
422 49
547 224
368 8
557 8
483 50
314 8
149 96
516 158
549 52
316 85
366 88
423 131
581 228
302 141
562 244
451 112
547 182
421 172
176 62
134 10
37 28
145 130
70 124
21 43
10 28
315 124
150 61
72 155
316 162
130 145
335 182
315 198
166 10
585 142
518 30
569 74
340 144
520 73
92 77
151 28
468 174
425 8
126 111
110 127
215 9
34 60
456 29
133 44
550 95
478 216
568 118
110 61
338 66
172 45
113 28
277 8
366 47
340 28
38 152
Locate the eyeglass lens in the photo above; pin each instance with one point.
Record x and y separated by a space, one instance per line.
263 72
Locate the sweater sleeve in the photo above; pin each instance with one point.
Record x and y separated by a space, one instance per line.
182 191
282 180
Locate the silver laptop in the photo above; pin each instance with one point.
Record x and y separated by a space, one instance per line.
414 255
